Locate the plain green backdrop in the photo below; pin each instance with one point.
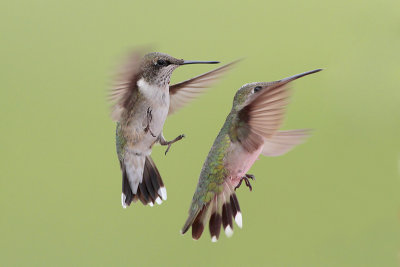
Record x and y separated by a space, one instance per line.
333 201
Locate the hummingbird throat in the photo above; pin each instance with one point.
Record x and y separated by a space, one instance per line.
153 92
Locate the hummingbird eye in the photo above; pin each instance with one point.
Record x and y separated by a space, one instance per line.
162 62
257 88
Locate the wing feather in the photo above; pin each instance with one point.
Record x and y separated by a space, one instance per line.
184 92
283 141
263 116
123 94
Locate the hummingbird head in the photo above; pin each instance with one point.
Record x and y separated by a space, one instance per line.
250 91
246 93
157 67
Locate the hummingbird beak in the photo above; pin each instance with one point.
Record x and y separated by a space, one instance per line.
185 62
295 77
284 81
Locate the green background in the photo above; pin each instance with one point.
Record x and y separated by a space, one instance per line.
333 201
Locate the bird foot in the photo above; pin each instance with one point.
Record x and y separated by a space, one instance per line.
169 143
149 119
246 181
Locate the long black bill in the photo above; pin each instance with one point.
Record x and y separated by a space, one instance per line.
271 85
294 77
185 62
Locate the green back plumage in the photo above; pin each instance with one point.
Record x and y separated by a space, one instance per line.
213 172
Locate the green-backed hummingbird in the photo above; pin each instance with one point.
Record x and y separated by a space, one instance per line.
142 99
250 129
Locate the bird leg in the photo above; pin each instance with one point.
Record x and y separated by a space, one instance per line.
164 142
149 119
246 181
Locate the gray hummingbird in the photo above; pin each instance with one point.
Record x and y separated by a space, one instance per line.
250 129
142 99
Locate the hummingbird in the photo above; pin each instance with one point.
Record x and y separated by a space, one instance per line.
142 99
250 129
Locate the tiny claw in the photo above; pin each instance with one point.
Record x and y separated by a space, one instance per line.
246 181
149 119
173 141
166 151
147 129
239 184
251 176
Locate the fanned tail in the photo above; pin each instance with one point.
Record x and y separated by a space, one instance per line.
221 210
141 181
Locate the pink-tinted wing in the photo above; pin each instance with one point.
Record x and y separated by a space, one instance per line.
284 141
262 117
184 92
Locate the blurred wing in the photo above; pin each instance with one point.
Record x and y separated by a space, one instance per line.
184 92
123 94
284 141
263 116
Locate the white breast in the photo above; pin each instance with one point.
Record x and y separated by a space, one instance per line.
153 92
157 100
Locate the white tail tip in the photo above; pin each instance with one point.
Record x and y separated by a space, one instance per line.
228 231
158 200
238 219
163 193
123 198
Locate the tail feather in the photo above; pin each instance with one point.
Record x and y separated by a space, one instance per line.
148 190
144 194
157 185
198 224
227 218
237 215
215 221
148 184
127 195
221 210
